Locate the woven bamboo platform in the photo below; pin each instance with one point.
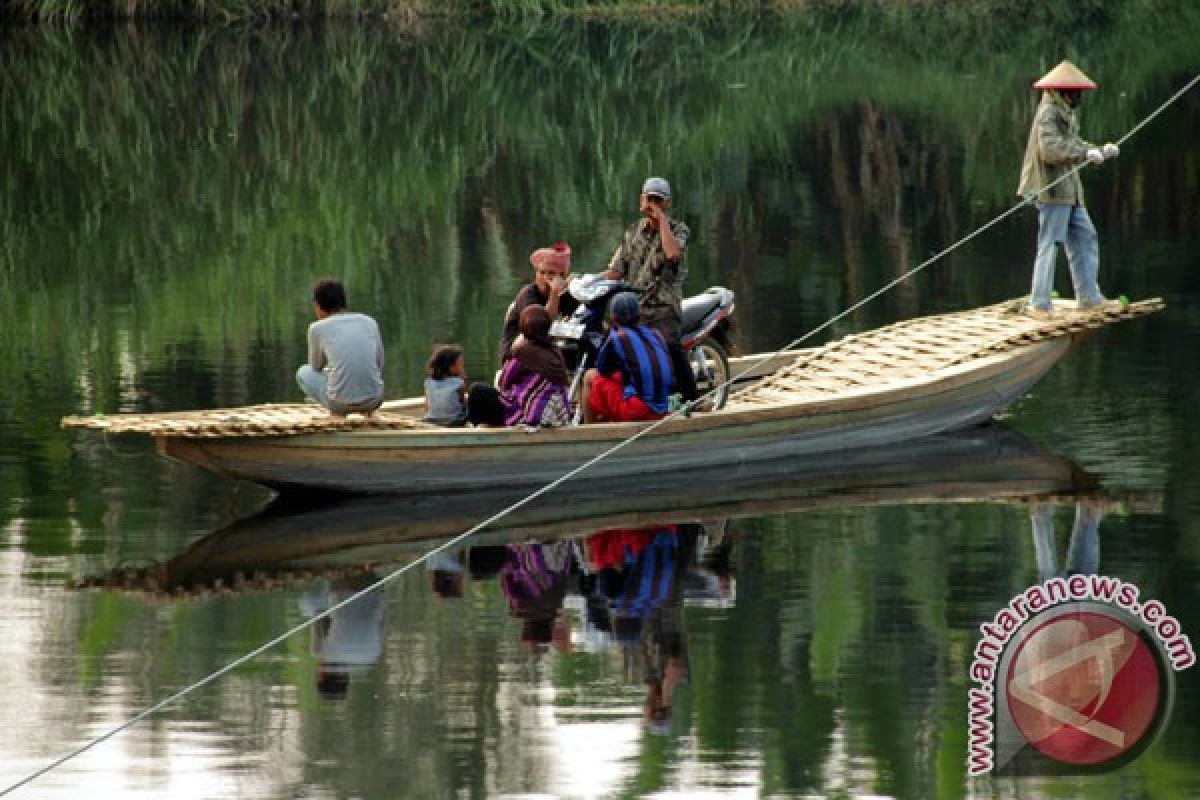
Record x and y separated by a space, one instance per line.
918 347
272 419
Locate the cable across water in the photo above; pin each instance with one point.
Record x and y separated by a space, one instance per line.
392 576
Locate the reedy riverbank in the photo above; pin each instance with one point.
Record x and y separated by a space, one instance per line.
355 147
408 11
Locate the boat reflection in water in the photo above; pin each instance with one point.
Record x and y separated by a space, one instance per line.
600 564
285 542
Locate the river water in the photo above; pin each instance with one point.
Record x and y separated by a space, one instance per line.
169 195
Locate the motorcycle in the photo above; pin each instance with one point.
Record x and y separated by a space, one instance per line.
706 335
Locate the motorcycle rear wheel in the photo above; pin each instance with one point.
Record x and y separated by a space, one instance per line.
710 365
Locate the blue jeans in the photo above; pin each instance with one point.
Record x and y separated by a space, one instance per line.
314 384
1083 551
1072 226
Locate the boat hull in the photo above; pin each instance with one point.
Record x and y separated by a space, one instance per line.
369 461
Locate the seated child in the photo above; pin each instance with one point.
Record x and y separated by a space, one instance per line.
446 387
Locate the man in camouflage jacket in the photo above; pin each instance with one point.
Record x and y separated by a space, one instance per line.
650 257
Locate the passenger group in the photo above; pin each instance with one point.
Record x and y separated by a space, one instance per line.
640 363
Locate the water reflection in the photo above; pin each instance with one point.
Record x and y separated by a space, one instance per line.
349 639
636 596
263 551
667 639
635 624
618 590
1083 549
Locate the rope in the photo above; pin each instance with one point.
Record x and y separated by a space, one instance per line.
1160 109
686 409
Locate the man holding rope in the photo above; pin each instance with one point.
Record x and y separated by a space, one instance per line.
1054 149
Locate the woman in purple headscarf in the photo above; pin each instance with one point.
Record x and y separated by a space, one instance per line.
533 384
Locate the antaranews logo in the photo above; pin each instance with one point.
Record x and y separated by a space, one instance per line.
1074 676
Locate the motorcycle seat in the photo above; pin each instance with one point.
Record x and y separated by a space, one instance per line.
698 307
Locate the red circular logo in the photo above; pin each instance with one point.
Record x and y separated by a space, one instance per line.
1083 688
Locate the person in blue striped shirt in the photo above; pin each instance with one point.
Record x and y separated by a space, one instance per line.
632 379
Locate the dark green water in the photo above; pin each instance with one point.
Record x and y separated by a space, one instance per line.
168 196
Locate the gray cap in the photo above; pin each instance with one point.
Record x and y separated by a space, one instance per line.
624 308
657 186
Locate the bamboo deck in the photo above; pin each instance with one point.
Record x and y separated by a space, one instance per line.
896 353
271 419
915 348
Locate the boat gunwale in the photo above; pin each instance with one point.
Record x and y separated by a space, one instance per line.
853 400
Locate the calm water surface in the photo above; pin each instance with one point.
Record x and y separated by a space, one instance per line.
166 201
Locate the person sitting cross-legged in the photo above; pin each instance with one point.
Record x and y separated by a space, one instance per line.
632 378
344 372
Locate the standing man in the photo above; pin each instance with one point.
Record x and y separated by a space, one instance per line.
344 372
1054 148
650 258
551 271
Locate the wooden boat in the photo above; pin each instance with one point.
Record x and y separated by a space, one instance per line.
286 544
893 384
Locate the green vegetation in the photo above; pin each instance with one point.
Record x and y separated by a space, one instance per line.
406 11
1025 12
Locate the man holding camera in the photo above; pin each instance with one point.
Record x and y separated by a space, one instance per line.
650 258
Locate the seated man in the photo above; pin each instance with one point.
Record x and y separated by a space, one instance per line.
632 378
345 355
551 265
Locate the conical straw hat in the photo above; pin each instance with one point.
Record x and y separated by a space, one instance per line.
1065 76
